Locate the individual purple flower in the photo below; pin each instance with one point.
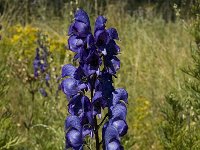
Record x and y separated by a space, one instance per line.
81 26
97 65
72 85
74 137
118 118
80 106
111 138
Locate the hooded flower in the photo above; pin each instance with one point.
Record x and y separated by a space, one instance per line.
111 138
74 137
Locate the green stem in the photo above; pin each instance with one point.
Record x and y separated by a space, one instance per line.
96 134
103 120
95 124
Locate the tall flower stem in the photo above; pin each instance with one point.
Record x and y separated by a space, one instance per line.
95 120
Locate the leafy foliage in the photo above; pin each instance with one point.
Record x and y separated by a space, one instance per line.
181 115
152 53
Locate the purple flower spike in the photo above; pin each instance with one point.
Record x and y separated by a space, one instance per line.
89 86
41 68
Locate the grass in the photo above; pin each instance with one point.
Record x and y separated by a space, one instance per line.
152 53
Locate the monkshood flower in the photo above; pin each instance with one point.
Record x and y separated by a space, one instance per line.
41 66
89 86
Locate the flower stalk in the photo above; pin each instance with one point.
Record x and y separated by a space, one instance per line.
93 52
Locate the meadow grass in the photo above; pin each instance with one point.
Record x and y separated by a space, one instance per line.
152 54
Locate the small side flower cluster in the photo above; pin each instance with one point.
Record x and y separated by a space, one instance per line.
41 64
98 64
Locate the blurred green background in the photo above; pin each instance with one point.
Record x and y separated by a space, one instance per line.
155 40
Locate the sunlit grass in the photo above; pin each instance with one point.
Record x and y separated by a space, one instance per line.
152 53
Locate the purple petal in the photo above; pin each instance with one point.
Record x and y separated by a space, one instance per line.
75 43
86 103
87 109
70 31
68 70
101 37
76 56
120 94
112 48
90 41
73 122
110 134
75 105
82 86
113 33
100 23
88 69
87 129
97 95
106 84
98 98
91 62
119 111
81 29
80 106
114 65
114 145
82 16
79 74
121 127
74 138
70 86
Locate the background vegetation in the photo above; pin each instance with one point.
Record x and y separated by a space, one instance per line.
159 43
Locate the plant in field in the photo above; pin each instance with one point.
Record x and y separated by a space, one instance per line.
41 64
98 64
9 137
180 128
